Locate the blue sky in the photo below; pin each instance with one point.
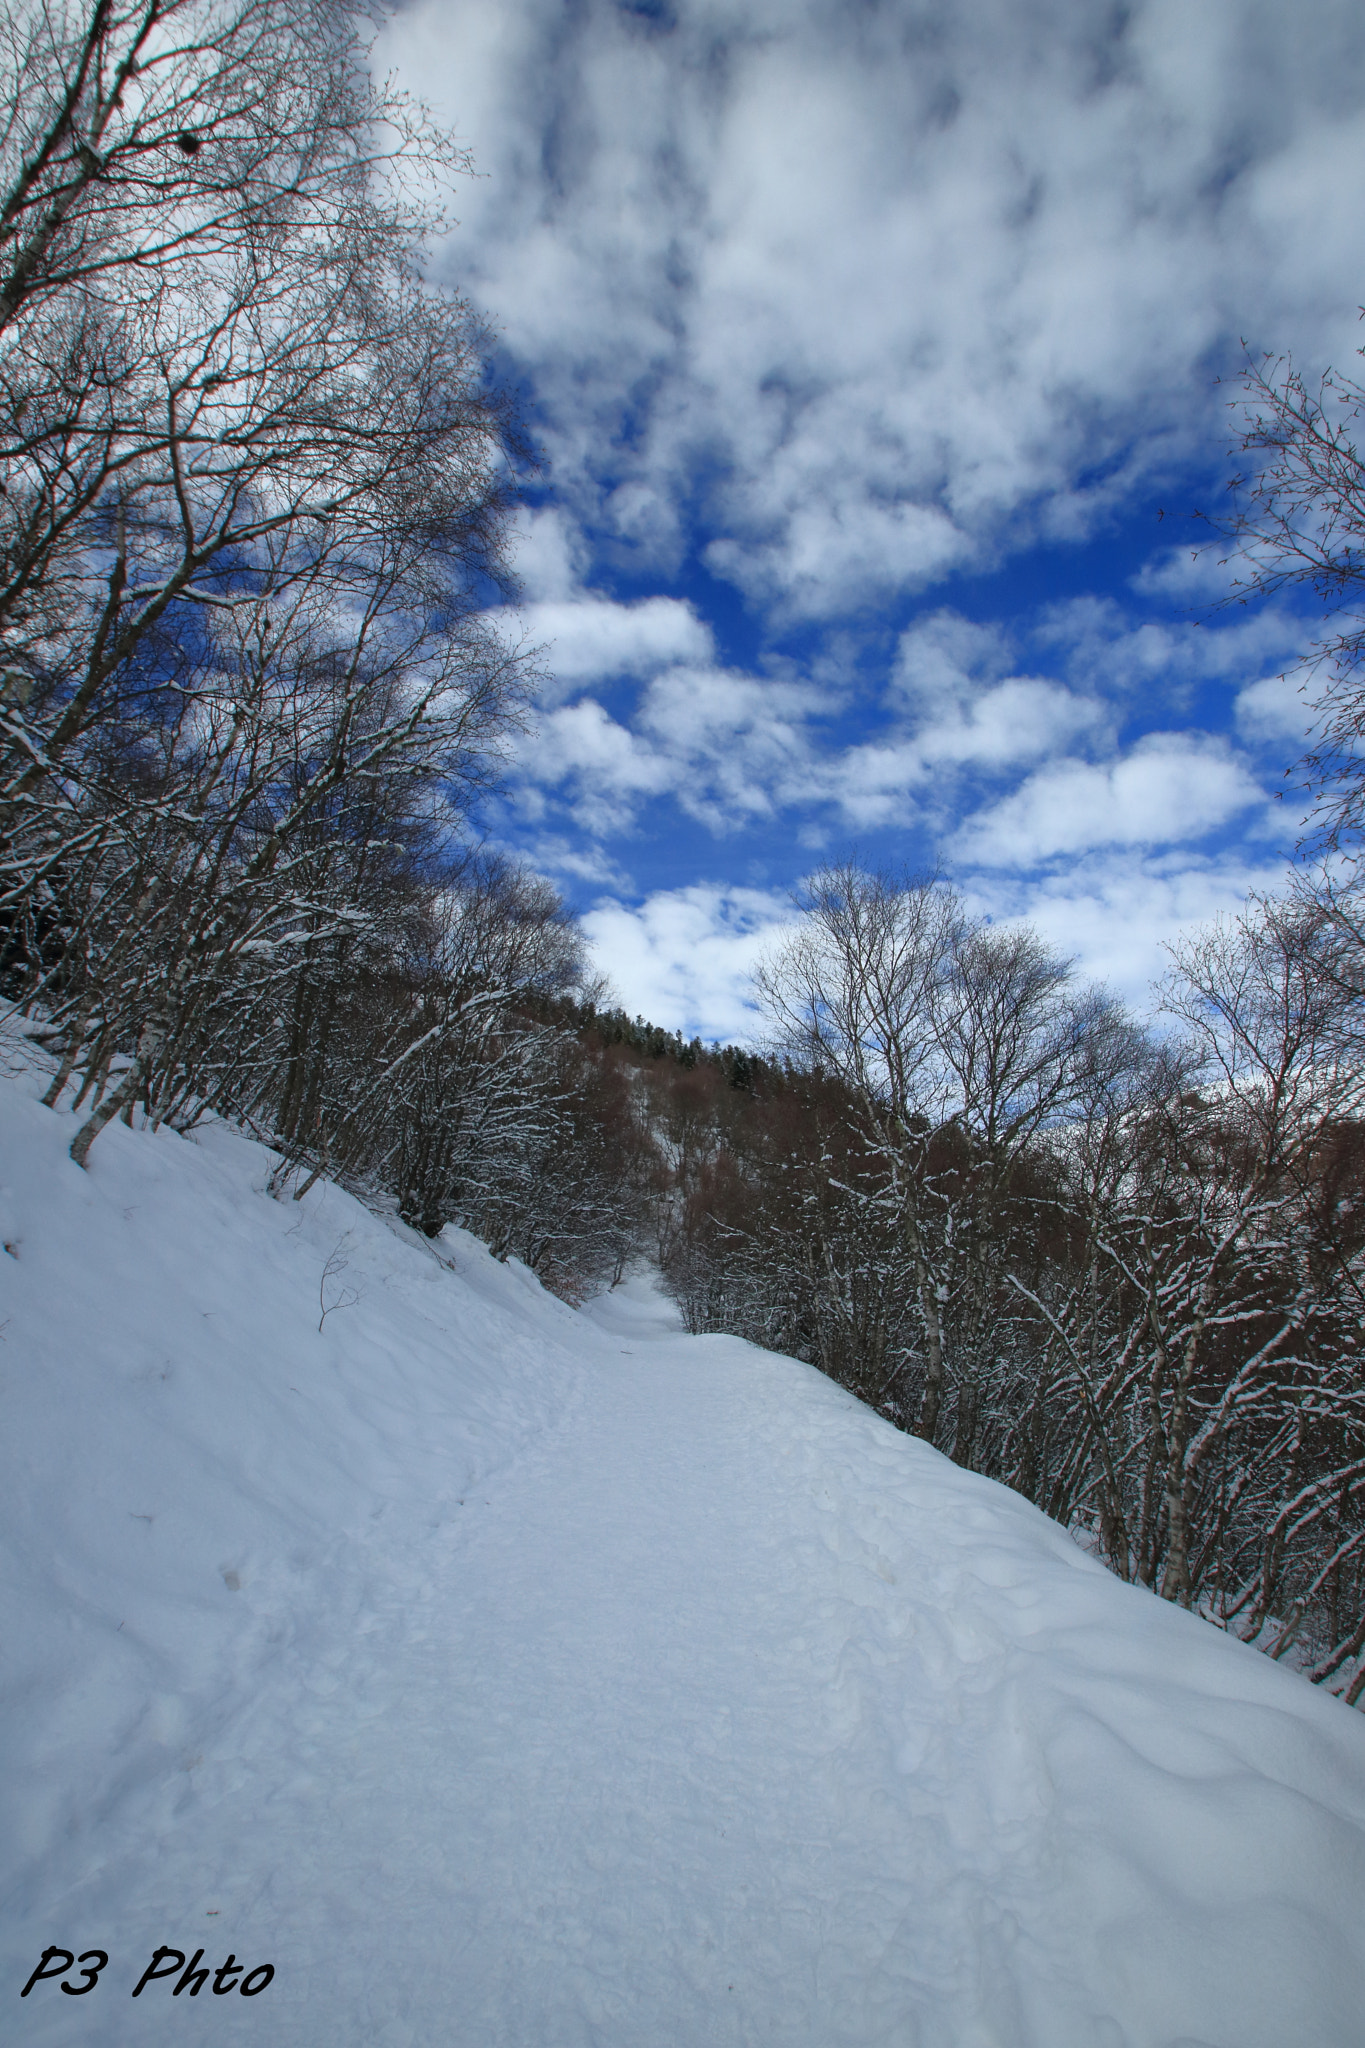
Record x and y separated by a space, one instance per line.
874 354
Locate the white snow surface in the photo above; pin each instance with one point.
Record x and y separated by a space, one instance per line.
515 1677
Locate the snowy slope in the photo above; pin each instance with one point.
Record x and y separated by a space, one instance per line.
510 1677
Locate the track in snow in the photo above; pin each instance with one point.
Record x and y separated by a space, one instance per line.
639 1689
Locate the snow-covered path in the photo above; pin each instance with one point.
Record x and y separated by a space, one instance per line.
585 1683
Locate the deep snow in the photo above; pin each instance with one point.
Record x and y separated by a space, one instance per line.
511 1677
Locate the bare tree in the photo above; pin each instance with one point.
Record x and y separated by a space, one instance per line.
253 496
1296 520
860 990
958 1044
1196 1391
1136 1262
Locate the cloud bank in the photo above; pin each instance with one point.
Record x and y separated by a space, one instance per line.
905 281
824 310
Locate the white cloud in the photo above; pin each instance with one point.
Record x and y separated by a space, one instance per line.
1015 722
956 708
1101 648
1170 788
584 637
704 710
590 639
741 744
729 747
894 277
942 655
735 749
684 958
584 861
608 768
1117 914
550 554
1186 576
581 737
836 300
817 564
1276 708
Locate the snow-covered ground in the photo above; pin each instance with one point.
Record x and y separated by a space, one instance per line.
511 1677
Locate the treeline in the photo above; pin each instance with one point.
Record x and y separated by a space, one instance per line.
253 492
1120 1270
253 499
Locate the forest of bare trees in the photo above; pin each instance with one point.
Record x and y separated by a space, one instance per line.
253 491
254 487
1118 1269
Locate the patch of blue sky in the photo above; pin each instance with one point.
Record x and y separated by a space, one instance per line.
875 366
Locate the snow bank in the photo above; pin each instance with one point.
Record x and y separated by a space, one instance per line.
509 1677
